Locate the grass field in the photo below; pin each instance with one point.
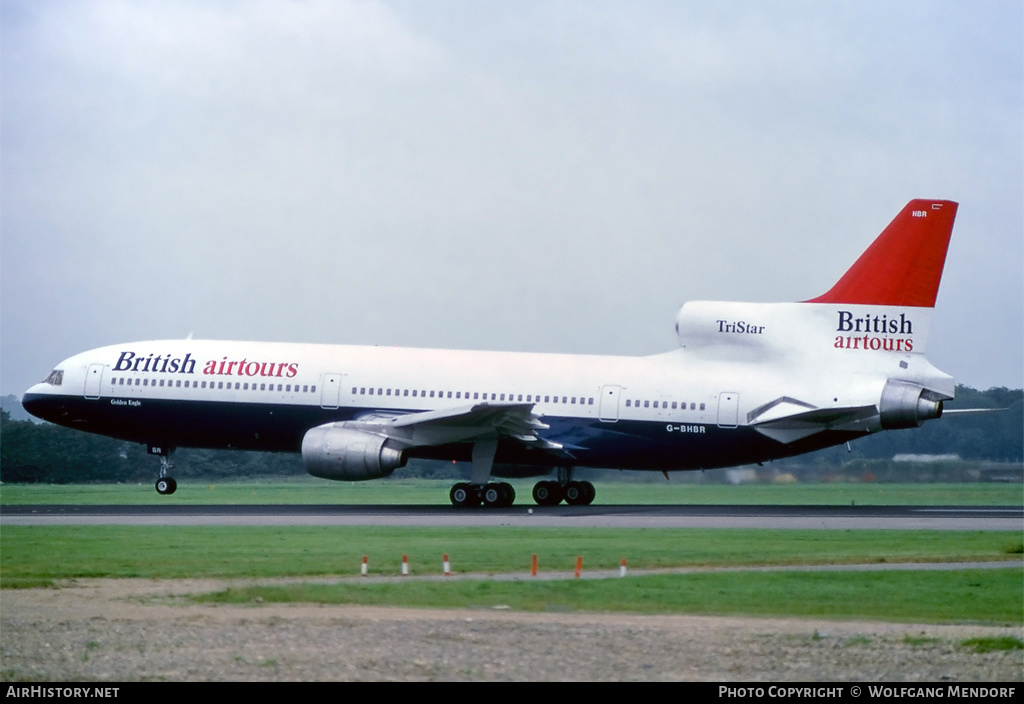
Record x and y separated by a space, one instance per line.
44 555
972 596
305 490
47 555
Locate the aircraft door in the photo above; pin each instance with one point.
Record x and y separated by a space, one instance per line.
609 410
330 391
93 380
728 409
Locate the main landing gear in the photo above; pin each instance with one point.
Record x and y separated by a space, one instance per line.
480 491
165 485
573 493
503 495
492 495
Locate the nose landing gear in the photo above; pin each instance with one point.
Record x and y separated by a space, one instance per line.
165 484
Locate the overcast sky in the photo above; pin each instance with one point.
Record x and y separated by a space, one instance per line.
549 176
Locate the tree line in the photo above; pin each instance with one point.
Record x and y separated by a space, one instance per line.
43 452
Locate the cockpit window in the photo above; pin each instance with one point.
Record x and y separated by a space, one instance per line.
55 378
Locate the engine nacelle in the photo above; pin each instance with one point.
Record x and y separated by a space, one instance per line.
906 405
334 451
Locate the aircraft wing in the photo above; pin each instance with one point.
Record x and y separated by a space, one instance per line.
461 424
788 420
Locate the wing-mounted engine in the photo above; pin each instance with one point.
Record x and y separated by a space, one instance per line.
335 451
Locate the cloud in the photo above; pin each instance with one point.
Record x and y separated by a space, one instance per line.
543 176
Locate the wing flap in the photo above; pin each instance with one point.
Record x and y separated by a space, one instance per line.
463 423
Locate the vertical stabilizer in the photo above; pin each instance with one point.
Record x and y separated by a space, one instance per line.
903 266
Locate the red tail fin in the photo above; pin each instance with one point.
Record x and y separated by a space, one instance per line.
903 266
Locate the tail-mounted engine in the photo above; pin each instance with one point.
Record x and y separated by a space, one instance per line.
906 405
334 451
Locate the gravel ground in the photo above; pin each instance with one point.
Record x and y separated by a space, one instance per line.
131 630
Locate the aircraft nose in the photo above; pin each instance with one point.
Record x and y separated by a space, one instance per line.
42 406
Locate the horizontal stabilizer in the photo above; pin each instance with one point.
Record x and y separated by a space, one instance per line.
773 421
958 411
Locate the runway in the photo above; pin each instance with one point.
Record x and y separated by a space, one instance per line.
1008 518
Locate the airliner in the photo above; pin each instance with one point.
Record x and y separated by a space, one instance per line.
749 383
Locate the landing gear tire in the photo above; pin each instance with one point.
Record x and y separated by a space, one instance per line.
500 495
463 495
510 494
547 493
591 493
579 493
166 486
